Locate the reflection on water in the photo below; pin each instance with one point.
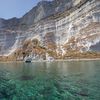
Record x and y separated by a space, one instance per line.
50 81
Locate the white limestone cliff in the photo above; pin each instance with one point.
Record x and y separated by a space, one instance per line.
81 22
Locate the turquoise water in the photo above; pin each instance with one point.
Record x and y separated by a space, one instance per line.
50 81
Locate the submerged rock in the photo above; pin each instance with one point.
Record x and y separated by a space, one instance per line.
26 77
83 93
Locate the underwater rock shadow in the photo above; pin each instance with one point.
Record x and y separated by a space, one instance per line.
26 77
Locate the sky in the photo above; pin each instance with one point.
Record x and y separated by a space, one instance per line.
15 8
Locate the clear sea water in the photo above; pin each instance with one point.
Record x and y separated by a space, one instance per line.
63 80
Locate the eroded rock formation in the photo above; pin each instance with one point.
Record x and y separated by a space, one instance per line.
59 25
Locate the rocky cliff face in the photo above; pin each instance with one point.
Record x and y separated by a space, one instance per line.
59 25
45 9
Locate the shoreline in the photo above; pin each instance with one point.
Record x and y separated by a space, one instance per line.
69 60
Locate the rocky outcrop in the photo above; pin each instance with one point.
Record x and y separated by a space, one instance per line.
60 25
45 9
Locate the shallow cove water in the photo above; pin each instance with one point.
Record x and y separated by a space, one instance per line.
62 80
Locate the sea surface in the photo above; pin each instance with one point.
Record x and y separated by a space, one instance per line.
62 80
